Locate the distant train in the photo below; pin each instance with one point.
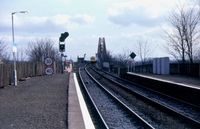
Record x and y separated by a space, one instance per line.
93 59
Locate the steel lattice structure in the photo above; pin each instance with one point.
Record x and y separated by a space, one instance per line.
101 50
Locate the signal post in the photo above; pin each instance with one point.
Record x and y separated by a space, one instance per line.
62 46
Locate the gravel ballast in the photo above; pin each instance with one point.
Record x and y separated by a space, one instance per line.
37 103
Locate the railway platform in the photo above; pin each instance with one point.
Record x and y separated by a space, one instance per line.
40 103
184 88
78 115
37 103
179 79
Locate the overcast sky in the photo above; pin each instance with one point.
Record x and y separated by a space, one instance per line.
121 22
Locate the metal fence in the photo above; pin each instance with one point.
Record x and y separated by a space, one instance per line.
26 69
192 70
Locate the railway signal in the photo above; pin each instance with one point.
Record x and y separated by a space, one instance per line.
61 47
63 36
62 41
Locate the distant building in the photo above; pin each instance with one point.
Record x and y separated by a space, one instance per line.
81 59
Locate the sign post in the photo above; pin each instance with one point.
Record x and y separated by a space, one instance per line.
48 62
133 55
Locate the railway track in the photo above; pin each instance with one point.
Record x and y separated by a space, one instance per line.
167 110
112 111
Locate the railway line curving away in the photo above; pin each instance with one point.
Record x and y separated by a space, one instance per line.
156 109
112 110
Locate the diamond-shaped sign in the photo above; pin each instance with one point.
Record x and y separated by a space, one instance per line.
132 55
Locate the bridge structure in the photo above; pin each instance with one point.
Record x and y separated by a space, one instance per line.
101 54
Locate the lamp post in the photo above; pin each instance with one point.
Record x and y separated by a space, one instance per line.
14 58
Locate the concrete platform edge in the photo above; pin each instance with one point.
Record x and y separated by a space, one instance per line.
86 116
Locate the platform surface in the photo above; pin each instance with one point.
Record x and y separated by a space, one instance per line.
185 80
78 114
75 118
37 103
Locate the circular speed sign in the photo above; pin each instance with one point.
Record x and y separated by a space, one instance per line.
48 71
48 61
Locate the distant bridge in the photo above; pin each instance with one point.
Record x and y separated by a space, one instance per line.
101 54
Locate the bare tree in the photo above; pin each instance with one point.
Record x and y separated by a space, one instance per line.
4 56
144 49
182 42
109 56
21 54
42 48
122 59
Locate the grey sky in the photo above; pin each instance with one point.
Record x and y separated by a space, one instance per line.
121 22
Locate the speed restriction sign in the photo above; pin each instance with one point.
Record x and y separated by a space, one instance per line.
48 71
48 61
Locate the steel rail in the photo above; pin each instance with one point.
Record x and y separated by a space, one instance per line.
145 123
151 100
93 103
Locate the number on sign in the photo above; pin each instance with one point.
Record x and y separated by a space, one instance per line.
48 61
48 71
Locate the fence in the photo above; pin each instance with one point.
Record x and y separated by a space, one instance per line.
27 69
192 70
144 68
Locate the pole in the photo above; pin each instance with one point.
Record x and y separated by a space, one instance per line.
62 63
14 58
